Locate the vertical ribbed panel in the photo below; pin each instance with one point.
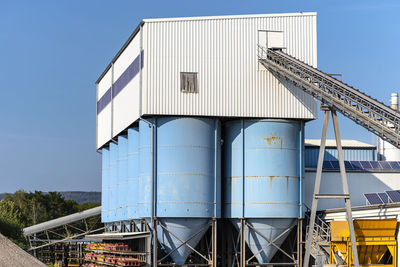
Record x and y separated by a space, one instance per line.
105 184
133 172
113 201
122 183
223 51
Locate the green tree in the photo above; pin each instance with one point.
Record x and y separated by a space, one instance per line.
23 209
39 207
11 222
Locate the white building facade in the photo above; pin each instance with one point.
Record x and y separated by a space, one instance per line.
220 55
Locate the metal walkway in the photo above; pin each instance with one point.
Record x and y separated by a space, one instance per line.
364 110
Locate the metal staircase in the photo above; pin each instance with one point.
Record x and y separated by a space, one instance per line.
364 110
321 238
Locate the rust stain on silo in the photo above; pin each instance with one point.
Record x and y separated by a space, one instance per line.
274 139
271 178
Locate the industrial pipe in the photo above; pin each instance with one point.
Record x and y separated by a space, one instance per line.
152 167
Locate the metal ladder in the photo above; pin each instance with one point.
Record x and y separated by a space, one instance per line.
321 238
364 110
345 187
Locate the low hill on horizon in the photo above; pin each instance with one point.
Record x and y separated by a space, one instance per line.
79 196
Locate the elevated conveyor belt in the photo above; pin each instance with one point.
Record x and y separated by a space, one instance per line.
364 110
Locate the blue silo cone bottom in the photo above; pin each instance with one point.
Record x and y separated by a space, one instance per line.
191 229
271 228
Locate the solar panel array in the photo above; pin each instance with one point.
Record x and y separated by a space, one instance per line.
384 197
373 198
363 165
392 196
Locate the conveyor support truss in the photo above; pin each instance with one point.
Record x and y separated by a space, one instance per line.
373 115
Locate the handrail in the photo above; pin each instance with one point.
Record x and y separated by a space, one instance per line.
364 110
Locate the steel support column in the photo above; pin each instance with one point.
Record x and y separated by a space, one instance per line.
155 242
316 188
214 242
345 188
300 242
317 185
242 234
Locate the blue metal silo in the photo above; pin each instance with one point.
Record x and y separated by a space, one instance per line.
105 180
122 183
146 168
263 172
133 172
113 201
186 173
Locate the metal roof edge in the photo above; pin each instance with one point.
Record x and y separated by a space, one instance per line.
369 207
331 143
232 17
133 34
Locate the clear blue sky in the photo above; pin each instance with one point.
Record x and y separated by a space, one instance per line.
53 51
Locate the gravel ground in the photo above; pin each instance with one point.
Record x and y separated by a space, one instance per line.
13 256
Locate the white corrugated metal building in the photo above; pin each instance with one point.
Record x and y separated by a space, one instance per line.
145 76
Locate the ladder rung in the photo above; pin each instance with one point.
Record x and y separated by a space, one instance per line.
332 196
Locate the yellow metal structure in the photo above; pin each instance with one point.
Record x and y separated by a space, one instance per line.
376 243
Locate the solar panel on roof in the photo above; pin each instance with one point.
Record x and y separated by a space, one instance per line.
348 165
327 165
394 164
362 165
394 195
356 165
365 165
373 198
385 165
375 165
384 197
335 164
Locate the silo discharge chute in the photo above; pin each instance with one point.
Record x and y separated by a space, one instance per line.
179 237
265 236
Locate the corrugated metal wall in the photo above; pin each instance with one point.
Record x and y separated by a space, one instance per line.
103 123
359 183
223 51
311 154
118 94
127 101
